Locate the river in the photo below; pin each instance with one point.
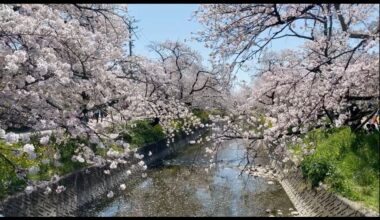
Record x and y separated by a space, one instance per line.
182 187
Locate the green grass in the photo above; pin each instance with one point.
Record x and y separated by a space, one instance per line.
67 151
142 133
216 111
10 183
347 162
201 114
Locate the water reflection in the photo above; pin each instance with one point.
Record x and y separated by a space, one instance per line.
184 188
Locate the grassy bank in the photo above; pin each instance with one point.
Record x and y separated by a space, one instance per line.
11 183
137 134
42 168
142 132
347 162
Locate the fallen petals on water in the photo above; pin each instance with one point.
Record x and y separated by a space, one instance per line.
110 194
123 186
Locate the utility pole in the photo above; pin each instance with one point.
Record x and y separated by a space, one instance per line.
131 30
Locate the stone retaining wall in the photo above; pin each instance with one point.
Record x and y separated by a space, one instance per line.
86 185
315 202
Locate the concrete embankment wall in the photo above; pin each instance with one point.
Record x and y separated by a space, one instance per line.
86 185
315 202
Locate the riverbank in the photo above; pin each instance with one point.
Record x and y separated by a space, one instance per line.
86 185
317 201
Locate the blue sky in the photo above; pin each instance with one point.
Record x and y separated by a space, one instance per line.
160 22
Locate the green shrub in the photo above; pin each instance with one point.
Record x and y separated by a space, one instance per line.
220 112
9 182
143 133
316 171
201 114
67 151
346 161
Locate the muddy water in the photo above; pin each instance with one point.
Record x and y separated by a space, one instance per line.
183 187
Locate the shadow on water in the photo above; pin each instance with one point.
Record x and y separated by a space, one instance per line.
182 187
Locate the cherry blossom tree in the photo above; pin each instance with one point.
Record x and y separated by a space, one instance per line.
58 62
331 80
58 70
186 78
62 65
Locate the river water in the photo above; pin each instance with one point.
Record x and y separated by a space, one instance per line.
182 187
